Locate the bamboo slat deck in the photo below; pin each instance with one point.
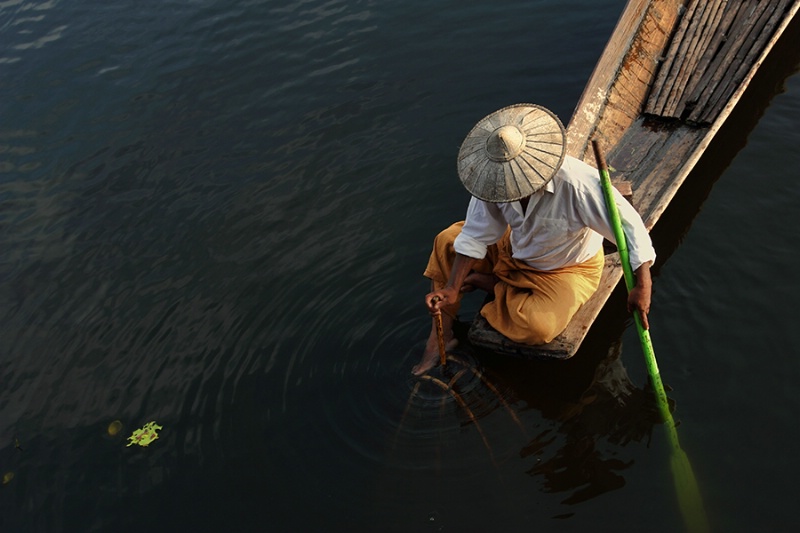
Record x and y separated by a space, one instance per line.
715 45
668 79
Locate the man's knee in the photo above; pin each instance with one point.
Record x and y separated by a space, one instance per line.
541 330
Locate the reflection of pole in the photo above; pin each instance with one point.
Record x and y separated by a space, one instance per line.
499 397
464 406
449 388
689 498
685 483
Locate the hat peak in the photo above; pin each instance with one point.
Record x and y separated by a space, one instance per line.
505 143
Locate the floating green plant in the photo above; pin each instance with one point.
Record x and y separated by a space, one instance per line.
145 435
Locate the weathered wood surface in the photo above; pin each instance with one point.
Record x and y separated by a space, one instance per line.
715 45
652 153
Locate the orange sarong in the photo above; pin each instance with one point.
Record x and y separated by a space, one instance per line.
530 306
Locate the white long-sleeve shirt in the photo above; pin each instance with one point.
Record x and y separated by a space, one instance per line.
563 225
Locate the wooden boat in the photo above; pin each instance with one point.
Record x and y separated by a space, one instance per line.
668 79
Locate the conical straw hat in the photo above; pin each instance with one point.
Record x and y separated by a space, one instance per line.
512 153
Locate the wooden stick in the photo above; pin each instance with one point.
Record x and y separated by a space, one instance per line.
440 335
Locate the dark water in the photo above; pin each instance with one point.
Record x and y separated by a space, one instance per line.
215 216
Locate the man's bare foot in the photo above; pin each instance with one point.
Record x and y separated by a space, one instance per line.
429 360
476 280
430 357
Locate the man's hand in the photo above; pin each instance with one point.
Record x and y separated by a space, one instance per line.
448 295
438 299
639 297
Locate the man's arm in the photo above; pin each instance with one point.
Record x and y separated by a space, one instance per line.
448 295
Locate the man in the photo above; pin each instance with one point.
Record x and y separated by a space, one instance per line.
532 236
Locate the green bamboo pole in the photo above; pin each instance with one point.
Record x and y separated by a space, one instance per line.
688 493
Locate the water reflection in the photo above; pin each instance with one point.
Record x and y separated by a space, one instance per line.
457 378
611 410
575 447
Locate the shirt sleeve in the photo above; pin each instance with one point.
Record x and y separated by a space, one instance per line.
640 246
484 225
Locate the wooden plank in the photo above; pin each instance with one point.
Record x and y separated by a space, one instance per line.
639 39
710 54
697 70
663 83
665 174
740 28
749 33
703 29
764 30
630 156
624 99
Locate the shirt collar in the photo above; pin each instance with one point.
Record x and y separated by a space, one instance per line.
548 187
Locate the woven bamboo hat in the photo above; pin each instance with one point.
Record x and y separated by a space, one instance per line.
512 153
